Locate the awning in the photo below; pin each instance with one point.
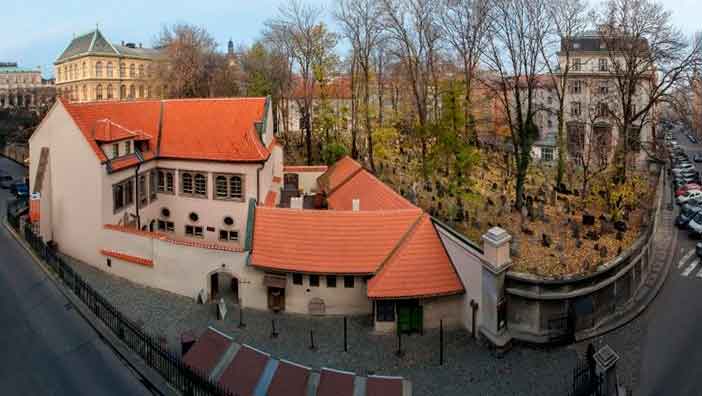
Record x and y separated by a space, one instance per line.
275 280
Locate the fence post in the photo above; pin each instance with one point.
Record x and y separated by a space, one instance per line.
311 339
441 342
399 352
241 317
274 334
346 348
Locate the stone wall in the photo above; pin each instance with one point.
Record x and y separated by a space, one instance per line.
17 152
547 310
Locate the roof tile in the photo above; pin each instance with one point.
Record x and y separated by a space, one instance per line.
371 192
128 258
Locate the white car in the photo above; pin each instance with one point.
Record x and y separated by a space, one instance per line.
692 194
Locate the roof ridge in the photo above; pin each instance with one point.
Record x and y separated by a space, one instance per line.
92 42
349 177
406 236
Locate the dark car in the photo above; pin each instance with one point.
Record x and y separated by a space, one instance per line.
697 157
687 212
6 181
20 189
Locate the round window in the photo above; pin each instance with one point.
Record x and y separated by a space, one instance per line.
193 216
228 220
165 212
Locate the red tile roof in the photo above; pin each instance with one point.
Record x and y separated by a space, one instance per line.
304 168
213 129
290 379
371 192
128 258
203 129
384 386
202 244
338 173
243 373
327 241
335 383
420 267
204 355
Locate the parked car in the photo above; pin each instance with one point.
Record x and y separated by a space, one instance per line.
688 195
694 226
6 181
20 189
686 214
687 187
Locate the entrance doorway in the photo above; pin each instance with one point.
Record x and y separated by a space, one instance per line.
224 285
409 317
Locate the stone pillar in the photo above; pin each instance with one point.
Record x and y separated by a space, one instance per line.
496 262
607 360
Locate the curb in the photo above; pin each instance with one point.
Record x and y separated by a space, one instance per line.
151 380
651 295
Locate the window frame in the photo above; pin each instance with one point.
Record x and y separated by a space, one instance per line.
166 172
197 231
193 174
314 283
331 281
295 276
385 311
228 187
349 281
229 234
127 194
153 190
165 226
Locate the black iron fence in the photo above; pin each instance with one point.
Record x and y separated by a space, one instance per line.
167 363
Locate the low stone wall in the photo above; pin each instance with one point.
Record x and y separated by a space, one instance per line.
548 310
16 152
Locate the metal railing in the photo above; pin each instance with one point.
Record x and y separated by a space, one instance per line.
157 356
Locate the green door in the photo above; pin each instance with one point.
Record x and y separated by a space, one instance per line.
409 317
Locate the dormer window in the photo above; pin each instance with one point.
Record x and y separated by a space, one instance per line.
127 147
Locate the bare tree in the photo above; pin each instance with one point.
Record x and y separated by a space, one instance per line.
361 24
412 27
463 27
647 55
190 60
517 29
299 28
568 21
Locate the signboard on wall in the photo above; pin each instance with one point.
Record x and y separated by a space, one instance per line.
34 207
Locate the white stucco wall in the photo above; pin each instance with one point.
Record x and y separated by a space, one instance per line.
468 265
72 197
338 300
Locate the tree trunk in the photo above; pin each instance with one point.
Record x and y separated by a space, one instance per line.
560 144
366 105
354 148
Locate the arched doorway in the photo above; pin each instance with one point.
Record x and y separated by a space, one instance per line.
223 284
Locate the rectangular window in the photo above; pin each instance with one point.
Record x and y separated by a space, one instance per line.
127 147
314 280
604 88
604 65
115 150
193 183
228 186
193 231
576 64
385 311
228 235
602 110
348 282
575 109
129 192
576 87
547 154
165 180
152 184
143 192
297 279
122 194
331 280
166 226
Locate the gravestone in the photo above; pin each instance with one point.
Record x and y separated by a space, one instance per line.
316 306
202 297
221 309
546 240
514 246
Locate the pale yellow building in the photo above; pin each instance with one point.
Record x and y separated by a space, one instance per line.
93 69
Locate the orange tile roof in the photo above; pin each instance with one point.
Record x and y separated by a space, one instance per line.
304 168
372 193
202 244
420 267
338 173
201 129
327 241
213 129
270 199
128 258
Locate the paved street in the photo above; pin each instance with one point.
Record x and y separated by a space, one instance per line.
671 354
46 348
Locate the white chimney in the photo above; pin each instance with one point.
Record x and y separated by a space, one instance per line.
296 203
356 204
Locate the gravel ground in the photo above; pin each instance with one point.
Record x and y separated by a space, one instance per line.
469 368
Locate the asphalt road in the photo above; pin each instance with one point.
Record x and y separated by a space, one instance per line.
46 348
671 352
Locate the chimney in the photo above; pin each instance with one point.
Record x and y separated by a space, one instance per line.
296 203
356 204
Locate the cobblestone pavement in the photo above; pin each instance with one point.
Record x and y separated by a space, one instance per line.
469 368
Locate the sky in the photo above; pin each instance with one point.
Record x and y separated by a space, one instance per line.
37 31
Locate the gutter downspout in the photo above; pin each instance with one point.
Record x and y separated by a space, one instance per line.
136 189
258 183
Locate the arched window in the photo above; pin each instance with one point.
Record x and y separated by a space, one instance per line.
85 93
110 71
98 92
221 186
132 91
98 69
141 91
148 91
187 183
84 70
169 182
122 70
132 70
110 94
65 72
235 187
200 184
123 92
141 71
